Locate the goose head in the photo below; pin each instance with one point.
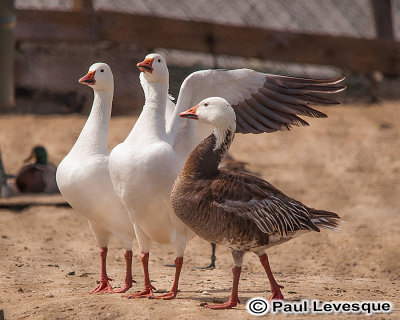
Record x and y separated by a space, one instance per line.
214 111
99 77
39 154
154 68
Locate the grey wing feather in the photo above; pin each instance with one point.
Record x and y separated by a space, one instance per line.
271 215
277 104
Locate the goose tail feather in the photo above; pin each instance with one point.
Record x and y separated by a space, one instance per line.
326 219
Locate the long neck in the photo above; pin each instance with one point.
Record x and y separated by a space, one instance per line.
42 159
205 158
94 135
151 122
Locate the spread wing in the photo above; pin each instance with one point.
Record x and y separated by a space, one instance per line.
255 199
262 102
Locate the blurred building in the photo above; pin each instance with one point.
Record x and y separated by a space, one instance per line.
46 72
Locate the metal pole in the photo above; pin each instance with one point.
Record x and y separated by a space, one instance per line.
7 26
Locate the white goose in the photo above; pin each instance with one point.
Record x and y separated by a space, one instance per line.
144 167
84 179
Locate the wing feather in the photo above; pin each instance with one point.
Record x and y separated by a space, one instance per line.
262 102
249 197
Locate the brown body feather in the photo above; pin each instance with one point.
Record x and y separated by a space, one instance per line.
231 164
30 178
238 210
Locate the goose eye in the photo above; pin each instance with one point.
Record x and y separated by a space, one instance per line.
102 70
159 60
206 104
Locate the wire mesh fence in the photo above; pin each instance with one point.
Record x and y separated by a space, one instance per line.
351 18
334 17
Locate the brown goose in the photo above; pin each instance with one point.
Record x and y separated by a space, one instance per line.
238 210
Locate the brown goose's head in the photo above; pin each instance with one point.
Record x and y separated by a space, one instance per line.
215 111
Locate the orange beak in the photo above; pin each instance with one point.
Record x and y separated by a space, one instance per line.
146 65
191 113
88 79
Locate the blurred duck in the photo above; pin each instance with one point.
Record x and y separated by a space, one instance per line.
39 176
238 210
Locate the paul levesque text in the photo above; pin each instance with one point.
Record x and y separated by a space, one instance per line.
319 307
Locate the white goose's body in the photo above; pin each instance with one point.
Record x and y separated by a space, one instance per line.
85 183
84 180
144 167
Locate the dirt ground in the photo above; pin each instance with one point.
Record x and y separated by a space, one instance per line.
348 163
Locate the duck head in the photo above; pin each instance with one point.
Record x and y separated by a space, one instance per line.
154 68
39 154
215 111
99 77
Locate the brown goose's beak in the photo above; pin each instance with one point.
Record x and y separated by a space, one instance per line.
88 79
146 65
191 113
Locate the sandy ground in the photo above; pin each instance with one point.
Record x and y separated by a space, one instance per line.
348 163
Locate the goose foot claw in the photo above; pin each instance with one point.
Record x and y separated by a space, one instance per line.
125 288
103 287
226 305
167 296
146 293
276 294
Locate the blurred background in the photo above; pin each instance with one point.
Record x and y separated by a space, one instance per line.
46 45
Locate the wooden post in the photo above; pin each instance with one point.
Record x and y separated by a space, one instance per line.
82 6
383 18
7 26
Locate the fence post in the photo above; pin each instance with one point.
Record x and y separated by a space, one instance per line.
7 26
382 10
82 5
383 18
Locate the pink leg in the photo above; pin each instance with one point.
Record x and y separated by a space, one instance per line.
128 276
104 286
234 298
148 288
275 287
174 291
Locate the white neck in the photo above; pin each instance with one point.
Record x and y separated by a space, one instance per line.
151 122
221 131
94 135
